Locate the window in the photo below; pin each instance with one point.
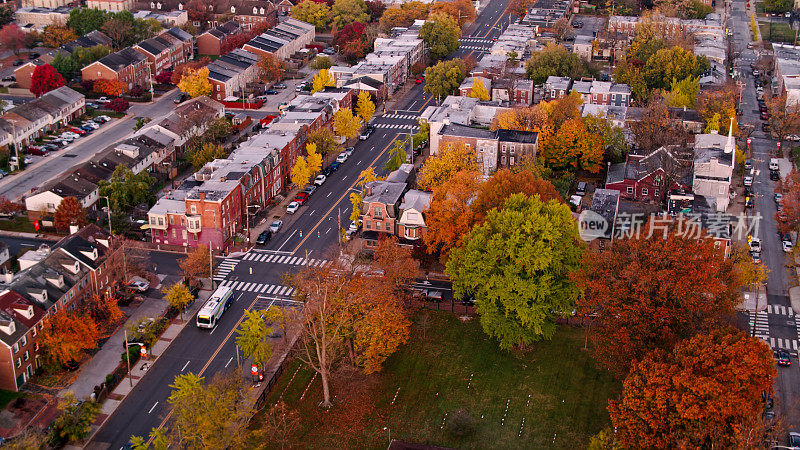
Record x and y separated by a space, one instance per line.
33 329
18 363
180 6
233 10
377 225
629 190
254 10
193 208
613 97
367 225
644 191
511 160
655 192
14 348
174 233
161 221
172 220
23 341
26 355
467 146
262 10
183 220
389 227
376 212
503 160
512 148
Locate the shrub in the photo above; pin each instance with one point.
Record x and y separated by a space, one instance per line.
461 423
118 105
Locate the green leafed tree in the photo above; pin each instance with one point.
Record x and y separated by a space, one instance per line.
76 419
555 60
345 12
84 20
683 93
253 334
397 155
317 14
517 265
126 189
440 33
444 78
65 65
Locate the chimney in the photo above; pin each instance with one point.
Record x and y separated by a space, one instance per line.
201 195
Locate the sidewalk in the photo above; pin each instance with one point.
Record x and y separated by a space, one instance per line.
116 397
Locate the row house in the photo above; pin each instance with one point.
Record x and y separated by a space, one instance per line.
230 73
167 50
282 40
466 86
605 202
210 42
557 87
516 91
714 160
52 279
38 18
493 150
52 4
467 111
24 123
787 71
113 6
285 6
128 66
602 92
389 208
247 12
649 177
174 18
88 40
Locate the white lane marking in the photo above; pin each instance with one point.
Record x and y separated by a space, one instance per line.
344 177
328 230
287 240
358 163
229 361
151 409
312 212
329 194
184 366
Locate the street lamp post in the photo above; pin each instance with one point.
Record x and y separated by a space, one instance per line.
247 218
108 210
388 430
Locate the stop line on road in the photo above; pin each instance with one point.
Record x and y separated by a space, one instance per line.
259 288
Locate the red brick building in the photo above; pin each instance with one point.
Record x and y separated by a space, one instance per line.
649 177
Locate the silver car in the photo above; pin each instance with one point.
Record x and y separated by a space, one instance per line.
275 226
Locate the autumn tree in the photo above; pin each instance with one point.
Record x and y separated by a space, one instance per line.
195 82
683 93
209 415
119 105
366 176
784 117
300 172
519 8
182 69
30 439
659 303
344 12
206 153
253 334
404 15
463 11
324 140
111 88
504 183
12 38
345 123
178 297
104 309
56 35
451 159
722 102
655 129
270 68
440 34
10 208
347 312
67 334
44 79
555 60
704 393
322 79
574 146
366 108
789 187
612 136
196 265
479 90
120 31
76 419
397 155
315 13
562 29
444 78
278 425
517 265
450 216
531 118
69 212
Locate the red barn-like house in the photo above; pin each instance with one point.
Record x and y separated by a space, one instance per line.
649 177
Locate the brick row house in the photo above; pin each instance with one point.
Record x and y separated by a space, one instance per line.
592 91
247 12
231 73
128 66
24 123
650 177
51 279
210 42
282 40
167 50
212 206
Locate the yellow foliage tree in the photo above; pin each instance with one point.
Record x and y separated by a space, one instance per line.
195 82
345 123
301 173
321 79
314 159
452 158
365 106
479 90
366 176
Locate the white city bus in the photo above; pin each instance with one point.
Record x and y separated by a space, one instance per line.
210 313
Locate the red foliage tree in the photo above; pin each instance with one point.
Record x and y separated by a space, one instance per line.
234 41
118 105
181 69
136 91
647 294
12 38
789 219
375 8
9 207
69 212
349 33
164 77
45 78
706 393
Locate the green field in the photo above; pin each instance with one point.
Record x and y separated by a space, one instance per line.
555 387
780 32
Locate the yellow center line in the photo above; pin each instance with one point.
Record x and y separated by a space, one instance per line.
346 192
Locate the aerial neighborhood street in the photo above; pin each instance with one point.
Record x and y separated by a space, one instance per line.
366 224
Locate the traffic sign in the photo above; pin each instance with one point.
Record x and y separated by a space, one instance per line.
254 369
143 351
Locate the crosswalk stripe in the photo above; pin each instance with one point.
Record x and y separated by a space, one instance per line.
295 260
283 290
271 288
263 288
291 291
246 286
772 342
254 287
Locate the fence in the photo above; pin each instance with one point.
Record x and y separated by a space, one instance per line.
270 384
452 306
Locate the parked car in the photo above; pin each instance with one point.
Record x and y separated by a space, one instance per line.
263 237
320 179
138 285
764 115
787 246
748 181
774 175
104 118
86 128
181 98
301 198
291 208
77 131
275 226
92 125
278 86
783 358
10 78
33 55
794 440
792 137
756 257
36 150
334 166
68 135
349 151
577 24
778 197
25 159
354 226
419 80
365 134
329 51
341 158
755 244
271 92
18 63
748 164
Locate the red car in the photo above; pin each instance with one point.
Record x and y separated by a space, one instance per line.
783 358
33 150
419 80
301 198
77 130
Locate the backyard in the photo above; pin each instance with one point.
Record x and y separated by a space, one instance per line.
778 32
552 395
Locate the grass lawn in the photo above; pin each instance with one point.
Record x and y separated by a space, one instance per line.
7 397
555 389
19 223
781 32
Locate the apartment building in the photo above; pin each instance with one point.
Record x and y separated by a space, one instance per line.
128 66
111 5
230 73
282 40
167 50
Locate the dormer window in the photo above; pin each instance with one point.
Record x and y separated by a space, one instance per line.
255 10
152 5
158 5
262 10
180 6
233 10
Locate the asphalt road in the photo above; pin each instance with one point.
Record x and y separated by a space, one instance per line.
17 244
44 169
776 324
310 233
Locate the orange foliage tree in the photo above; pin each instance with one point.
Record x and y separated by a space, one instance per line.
111 88
573 145
789 219
494 192
704 394
67 334
450 217
197 264
647 294
69 212
183 69
104 309
452 158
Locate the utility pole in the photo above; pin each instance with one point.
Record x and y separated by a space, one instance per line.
211 266
128 358
108 210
